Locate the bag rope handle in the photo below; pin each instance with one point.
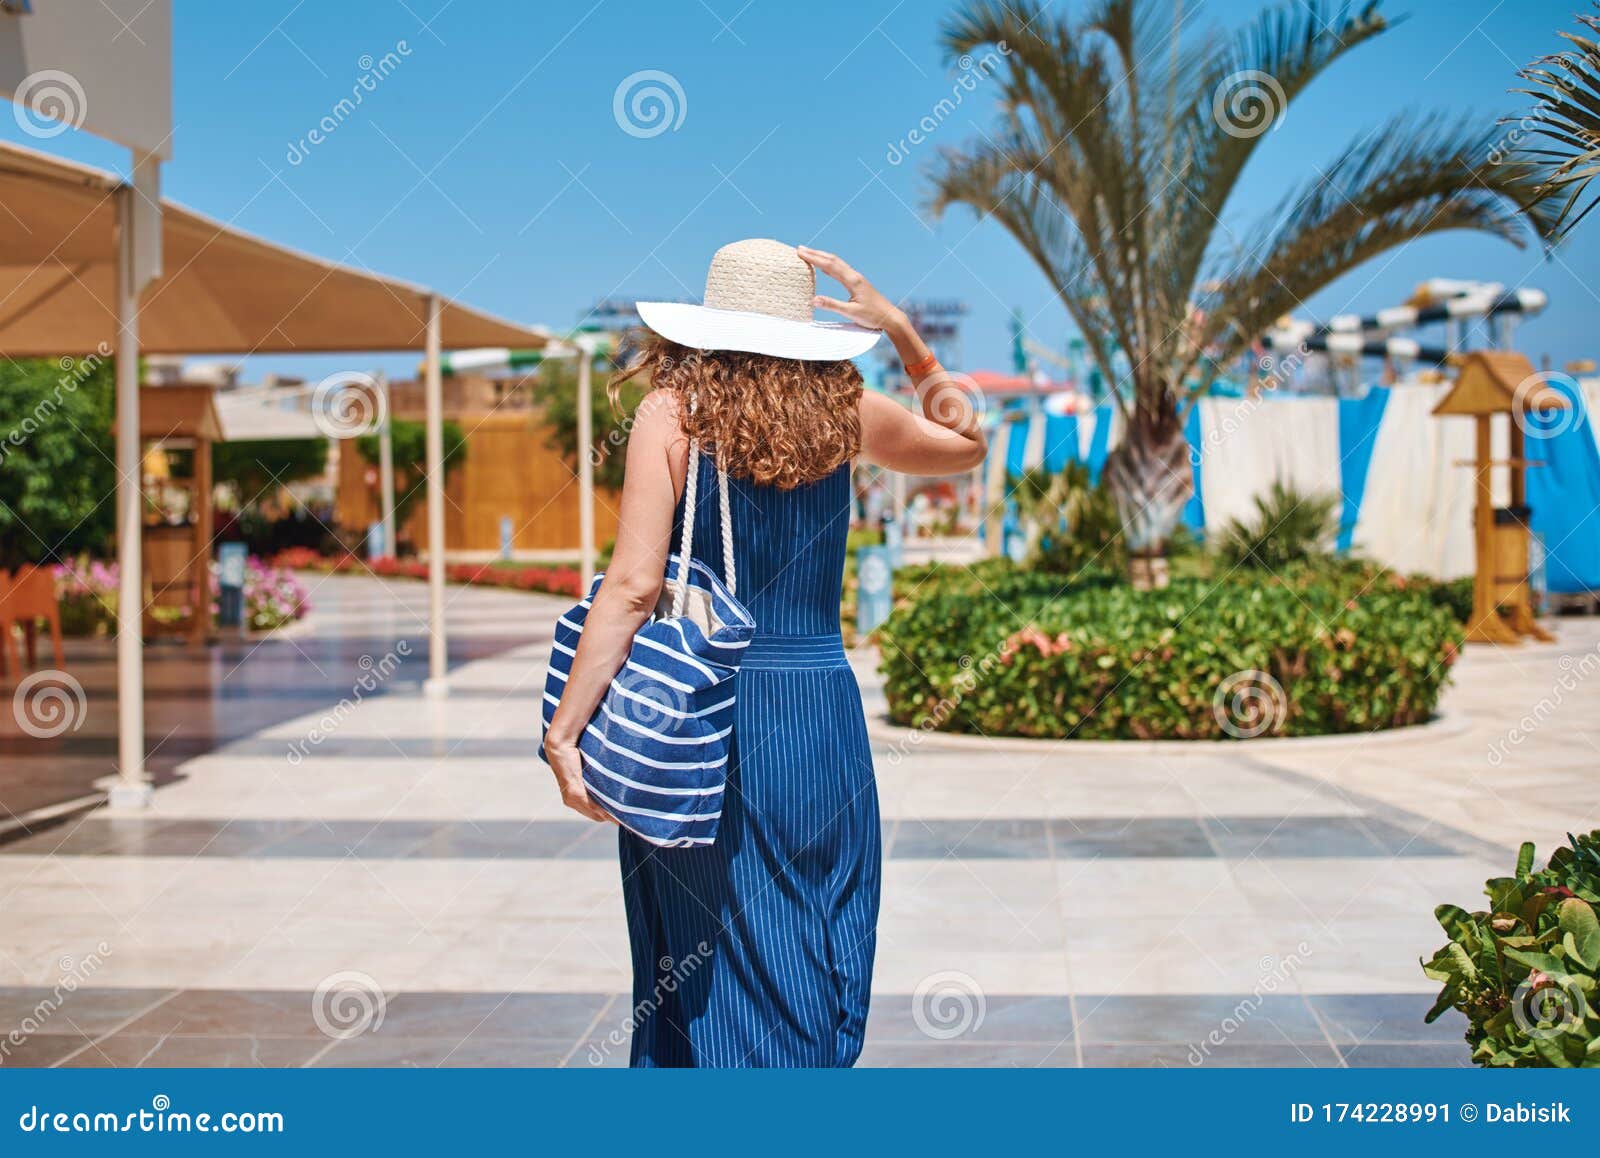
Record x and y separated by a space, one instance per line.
691 490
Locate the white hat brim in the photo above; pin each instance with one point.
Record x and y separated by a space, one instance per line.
705 328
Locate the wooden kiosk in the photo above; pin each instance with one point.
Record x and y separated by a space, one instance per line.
1491 382
177 425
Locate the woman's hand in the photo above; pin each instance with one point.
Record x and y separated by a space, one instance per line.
567 764
866 307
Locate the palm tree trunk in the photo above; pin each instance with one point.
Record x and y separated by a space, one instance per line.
1151 478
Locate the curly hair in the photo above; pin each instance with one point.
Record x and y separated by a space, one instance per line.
777 421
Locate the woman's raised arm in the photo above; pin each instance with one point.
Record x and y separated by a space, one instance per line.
946 438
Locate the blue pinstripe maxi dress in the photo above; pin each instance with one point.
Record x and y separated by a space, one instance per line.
757 951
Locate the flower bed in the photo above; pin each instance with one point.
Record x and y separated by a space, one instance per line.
531 577
87 590
1028 653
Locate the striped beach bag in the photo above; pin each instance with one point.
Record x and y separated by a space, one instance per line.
655 754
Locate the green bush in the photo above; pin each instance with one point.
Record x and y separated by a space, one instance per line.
1289 527
1524 972
1004 651
1072 525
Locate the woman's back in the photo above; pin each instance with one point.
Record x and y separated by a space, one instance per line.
788 547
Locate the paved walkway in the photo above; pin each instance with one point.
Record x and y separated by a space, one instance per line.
390 880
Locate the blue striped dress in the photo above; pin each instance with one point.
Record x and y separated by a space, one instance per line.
757 951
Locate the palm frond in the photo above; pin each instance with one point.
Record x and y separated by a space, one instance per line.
1567 119
1288 526
1408 179
1239 96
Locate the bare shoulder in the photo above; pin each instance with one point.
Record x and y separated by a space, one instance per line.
656 418
656 437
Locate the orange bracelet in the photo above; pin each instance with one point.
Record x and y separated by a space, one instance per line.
917 369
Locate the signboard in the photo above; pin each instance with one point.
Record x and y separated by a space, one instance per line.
874 588
105 67
230 584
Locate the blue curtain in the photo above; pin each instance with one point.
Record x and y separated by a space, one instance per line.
1060 441
1017 447
1194 511
1359 419
1565 493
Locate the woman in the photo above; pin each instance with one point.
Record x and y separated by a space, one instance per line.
757 949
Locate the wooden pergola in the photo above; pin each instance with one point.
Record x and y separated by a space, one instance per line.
69 246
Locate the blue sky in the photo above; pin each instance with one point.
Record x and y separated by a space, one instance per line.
489 163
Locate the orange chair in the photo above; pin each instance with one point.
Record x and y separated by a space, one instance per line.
26 597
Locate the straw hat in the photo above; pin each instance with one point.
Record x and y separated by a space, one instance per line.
758 300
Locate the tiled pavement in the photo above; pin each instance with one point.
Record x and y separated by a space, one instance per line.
1248 905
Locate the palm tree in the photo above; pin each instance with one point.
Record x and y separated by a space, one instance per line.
1119 142
1567 117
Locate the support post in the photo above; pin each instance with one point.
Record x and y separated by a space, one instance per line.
132 789
1486 626
437 683
386 466
585 464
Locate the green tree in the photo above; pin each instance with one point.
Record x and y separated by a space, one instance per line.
1121 140
57 477
256 468
555 392
411 459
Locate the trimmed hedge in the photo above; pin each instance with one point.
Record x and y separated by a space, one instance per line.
1026 653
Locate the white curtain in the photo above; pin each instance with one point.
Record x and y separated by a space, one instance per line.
1246 445
1417 513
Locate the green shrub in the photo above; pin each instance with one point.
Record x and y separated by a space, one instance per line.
1072 525
1289 527
1524 972
1029 653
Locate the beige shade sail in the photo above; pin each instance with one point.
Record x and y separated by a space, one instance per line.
222 291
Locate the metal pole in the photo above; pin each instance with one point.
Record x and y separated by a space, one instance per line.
386 467
132 789
585 464
433 394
